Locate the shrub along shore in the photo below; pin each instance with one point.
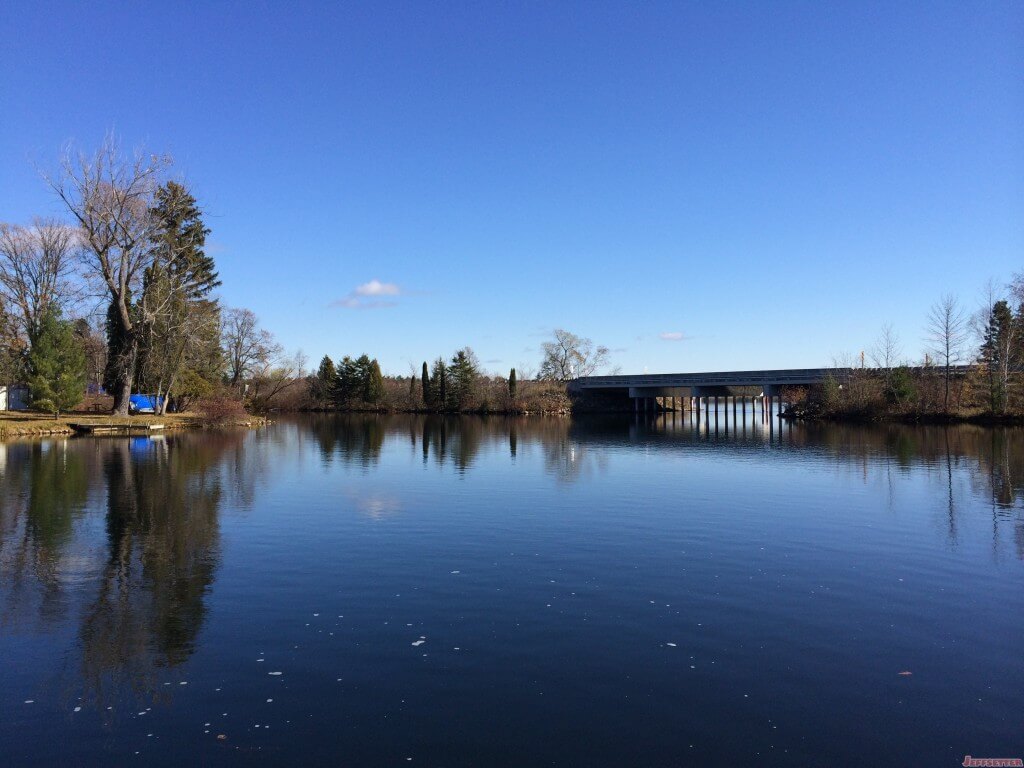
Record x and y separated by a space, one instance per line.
913 395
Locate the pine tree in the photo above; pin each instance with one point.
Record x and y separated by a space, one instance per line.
439 385
998 353
374 393
462 379
179 325
347 385
56 366
324 381
512 384
428 400
362 377
179 241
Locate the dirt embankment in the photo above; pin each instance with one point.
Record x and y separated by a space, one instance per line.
14 424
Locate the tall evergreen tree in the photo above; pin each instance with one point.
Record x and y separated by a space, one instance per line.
439 385
347 385
513 385
324 381
374 384
362 377
463 374
998 353
56 366
428 400
179 240
179 324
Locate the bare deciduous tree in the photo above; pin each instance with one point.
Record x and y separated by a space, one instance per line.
887 351
569 356
94 345
36 270
525 372
110 196
249 349
274 377
947 332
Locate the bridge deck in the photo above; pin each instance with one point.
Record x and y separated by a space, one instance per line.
790 376
771 381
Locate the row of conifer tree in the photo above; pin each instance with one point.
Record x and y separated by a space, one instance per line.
442 386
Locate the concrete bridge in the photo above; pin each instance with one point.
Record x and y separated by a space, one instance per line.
692 390
764 388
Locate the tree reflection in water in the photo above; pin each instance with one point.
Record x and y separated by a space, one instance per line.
572 449
139 596
121 538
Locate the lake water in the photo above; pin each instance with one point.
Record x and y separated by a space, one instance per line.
513 592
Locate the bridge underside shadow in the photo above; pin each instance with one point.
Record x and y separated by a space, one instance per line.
704 392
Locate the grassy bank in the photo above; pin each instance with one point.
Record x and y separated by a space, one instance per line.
15 424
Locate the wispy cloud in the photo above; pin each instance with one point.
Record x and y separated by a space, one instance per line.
377 288
672 336
368 296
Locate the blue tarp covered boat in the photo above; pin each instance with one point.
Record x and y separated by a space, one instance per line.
144 403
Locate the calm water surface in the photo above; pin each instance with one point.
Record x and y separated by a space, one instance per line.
464 592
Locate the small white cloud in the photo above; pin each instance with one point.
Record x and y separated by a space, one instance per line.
366 296
377 288
671 336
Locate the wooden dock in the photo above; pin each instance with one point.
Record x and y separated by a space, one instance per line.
110 428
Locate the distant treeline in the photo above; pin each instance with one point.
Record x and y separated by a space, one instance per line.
456 385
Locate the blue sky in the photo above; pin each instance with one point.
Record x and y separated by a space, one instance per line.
771 182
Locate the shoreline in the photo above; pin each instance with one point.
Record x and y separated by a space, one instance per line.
928 419
24 424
